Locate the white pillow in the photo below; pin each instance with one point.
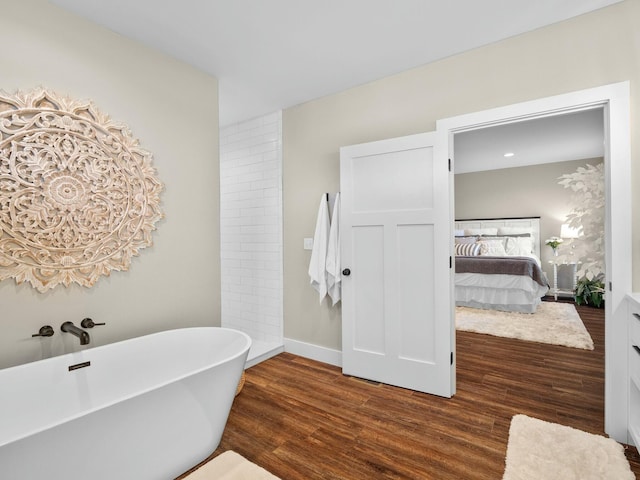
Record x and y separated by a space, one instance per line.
519 246
493 248
514 230
458 233
481 231
465 239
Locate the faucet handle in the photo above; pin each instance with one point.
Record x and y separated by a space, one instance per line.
89 323
45 331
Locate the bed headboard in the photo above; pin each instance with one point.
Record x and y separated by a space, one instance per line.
532 223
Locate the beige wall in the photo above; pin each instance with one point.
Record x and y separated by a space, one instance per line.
172 109
595 49
531 191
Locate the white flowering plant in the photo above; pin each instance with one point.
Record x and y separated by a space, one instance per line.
587 214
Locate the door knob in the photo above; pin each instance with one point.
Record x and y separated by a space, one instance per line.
346 272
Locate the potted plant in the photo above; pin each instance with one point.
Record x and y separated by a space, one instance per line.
554 243
590 292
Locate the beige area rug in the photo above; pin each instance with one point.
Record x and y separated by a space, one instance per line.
555 323
541 450
230 466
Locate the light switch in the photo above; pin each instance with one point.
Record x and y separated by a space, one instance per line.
308 243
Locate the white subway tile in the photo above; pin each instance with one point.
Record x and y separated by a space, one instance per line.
227 187
230 212
269 211
252 247
251 226
251 194
273 192
253 229
273 257
267 274
250 177
252 212
235 221
266 184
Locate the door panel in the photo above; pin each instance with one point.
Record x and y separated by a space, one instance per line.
376 177
415 290
369 332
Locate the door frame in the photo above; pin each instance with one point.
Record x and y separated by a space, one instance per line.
615 101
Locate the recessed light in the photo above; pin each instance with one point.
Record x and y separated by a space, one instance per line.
509 154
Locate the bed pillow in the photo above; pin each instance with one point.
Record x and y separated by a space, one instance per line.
519 246
493 248
458 233
514 230
481 231
467 249
465 240
496 238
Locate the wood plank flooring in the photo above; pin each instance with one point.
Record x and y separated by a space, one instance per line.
302 419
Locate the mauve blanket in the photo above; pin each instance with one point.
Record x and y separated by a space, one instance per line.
505 265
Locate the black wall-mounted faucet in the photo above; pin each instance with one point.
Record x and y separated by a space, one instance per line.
89 323
46 331
83 335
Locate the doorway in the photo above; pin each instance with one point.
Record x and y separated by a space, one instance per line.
614 100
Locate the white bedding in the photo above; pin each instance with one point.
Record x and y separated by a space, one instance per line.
513 293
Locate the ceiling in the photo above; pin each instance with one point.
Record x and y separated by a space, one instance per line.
272 54
559 138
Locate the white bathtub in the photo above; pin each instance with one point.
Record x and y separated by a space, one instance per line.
147 408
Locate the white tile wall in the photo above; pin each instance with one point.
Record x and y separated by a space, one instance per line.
251 227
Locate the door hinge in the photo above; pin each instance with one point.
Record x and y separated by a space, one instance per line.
449 164
450 262
610 287
451 358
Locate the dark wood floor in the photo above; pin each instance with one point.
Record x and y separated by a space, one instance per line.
302 419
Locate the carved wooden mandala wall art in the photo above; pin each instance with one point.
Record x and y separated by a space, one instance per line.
78 196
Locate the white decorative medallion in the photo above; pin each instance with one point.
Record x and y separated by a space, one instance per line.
78 196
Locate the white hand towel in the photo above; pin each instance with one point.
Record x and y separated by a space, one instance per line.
317 269
334 280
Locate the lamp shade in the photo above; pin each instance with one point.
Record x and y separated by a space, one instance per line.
569 232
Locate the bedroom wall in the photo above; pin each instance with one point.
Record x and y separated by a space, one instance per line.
172 109
531 191
572 55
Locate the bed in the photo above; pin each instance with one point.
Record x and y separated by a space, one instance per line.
497 264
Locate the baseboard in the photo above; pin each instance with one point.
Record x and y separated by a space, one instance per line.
314 352
266 355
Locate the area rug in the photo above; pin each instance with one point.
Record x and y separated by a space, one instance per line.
554 323
541 450
230 466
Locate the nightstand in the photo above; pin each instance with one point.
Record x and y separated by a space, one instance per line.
555 291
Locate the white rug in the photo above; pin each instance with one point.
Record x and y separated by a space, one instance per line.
555 323
230 466
540 450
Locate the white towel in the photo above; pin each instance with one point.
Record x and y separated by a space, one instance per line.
317 265
334 285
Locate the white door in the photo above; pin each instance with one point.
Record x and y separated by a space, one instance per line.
397 313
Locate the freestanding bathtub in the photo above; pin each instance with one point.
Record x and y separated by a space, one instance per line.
146 408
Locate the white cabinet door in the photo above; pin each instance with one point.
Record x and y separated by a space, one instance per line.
397 314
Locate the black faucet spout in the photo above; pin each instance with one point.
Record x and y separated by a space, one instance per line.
83 335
